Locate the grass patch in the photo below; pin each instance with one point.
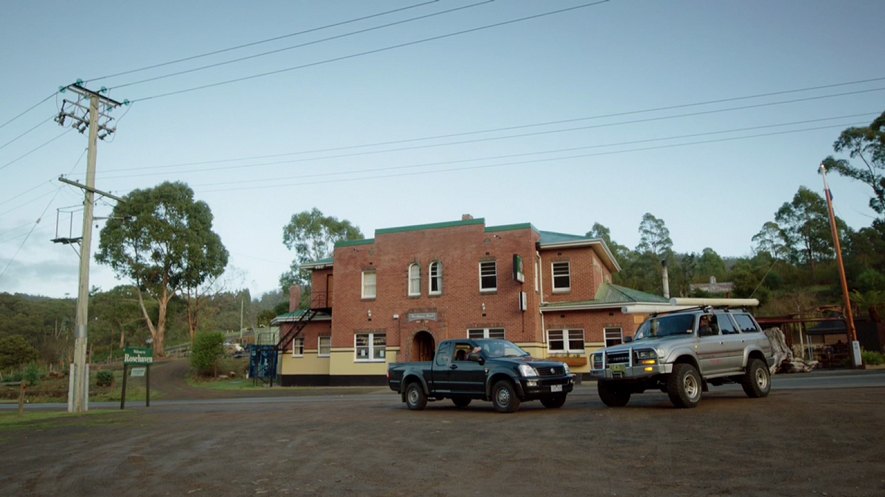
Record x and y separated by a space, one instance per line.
44 419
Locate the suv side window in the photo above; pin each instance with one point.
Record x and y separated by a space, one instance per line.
726 327
746 323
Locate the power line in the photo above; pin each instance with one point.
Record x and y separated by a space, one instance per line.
543 159
29 109
520 135
544 123
369 52
259 42
25 133
315 42
34 227
4 166
534 161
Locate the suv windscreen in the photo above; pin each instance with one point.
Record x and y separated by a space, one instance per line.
665 326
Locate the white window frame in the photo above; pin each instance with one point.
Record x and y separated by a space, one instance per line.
320 346
414 282
486 273
606 335
373 351
434 274
554 275
369 289
537 274
298 347
478 333
566 336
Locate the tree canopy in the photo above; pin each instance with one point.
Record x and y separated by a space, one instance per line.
867 145
162 240
312 236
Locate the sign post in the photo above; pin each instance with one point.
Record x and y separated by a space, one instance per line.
142 357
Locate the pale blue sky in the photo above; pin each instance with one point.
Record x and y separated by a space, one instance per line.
714 172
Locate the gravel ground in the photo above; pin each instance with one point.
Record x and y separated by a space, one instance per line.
794 442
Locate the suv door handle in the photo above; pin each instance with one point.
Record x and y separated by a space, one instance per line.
453 366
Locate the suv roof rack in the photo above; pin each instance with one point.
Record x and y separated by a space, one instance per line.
717 303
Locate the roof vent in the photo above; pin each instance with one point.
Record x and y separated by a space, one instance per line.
466 217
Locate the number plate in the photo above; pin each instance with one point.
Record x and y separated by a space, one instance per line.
619 368
555 388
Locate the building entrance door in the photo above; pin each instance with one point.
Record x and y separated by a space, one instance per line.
423 346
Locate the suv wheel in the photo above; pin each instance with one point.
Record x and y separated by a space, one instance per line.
611 394
757 379
684 386
504 397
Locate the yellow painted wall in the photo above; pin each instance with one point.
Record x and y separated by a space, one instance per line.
308 364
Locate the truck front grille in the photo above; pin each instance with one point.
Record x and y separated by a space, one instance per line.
551 371
617 357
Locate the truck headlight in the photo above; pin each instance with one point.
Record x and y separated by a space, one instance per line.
527 371
568 370
596 360
647 357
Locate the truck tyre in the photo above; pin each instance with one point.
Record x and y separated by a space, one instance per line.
684 386
504 397
757 379
415 398
553 401
611 394
461 402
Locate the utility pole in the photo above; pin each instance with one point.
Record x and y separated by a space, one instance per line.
847 312
93 117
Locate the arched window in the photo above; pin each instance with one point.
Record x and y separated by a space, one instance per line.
414 280
435 271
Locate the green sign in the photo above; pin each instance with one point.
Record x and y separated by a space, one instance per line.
138 356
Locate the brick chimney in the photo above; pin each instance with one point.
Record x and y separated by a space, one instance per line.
466 217
294 297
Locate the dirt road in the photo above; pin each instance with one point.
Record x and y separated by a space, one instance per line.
795 442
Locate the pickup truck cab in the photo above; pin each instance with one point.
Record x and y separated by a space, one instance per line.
683 352
487 369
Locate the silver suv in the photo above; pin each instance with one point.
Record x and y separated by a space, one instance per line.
682 352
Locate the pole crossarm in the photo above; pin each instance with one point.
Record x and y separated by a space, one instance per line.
90 189
78 111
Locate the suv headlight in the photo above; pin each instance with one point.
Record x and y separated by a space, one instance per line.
527 371
647 357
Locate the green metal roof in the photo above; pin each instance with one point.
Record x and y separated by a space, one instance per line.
553 237
295 315
607 296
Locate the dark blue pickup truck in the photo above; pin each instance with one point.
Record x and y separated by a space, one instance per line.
490 369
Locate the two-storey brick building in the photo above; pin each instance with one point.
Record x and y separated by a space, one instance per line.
396 296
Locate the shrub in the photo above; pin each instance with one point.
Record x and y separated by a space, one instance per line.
208 349
104 378
872 358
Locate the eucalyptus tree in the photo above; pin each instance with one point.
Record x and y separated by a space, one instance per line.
162 240
866 145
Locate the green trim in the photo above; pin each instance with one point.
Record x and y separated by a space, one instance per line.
432 226
512 227
354 243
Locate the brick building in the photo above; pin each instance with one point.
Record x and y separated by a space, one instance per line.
396 296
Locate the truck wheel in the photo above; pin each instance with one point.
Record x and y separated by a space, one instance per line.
461 402
415 398
553 402
504 397
757 380
612 395
684 386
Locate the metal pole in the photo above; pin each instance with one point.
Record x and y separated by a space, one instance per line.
849 315
80 401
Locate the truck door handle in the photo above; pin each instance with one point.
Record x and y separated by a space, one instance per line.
453 366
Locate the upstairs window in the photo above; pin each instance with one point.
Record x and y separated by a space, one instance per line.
488 276
368 285
435 271
562 280
414 280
